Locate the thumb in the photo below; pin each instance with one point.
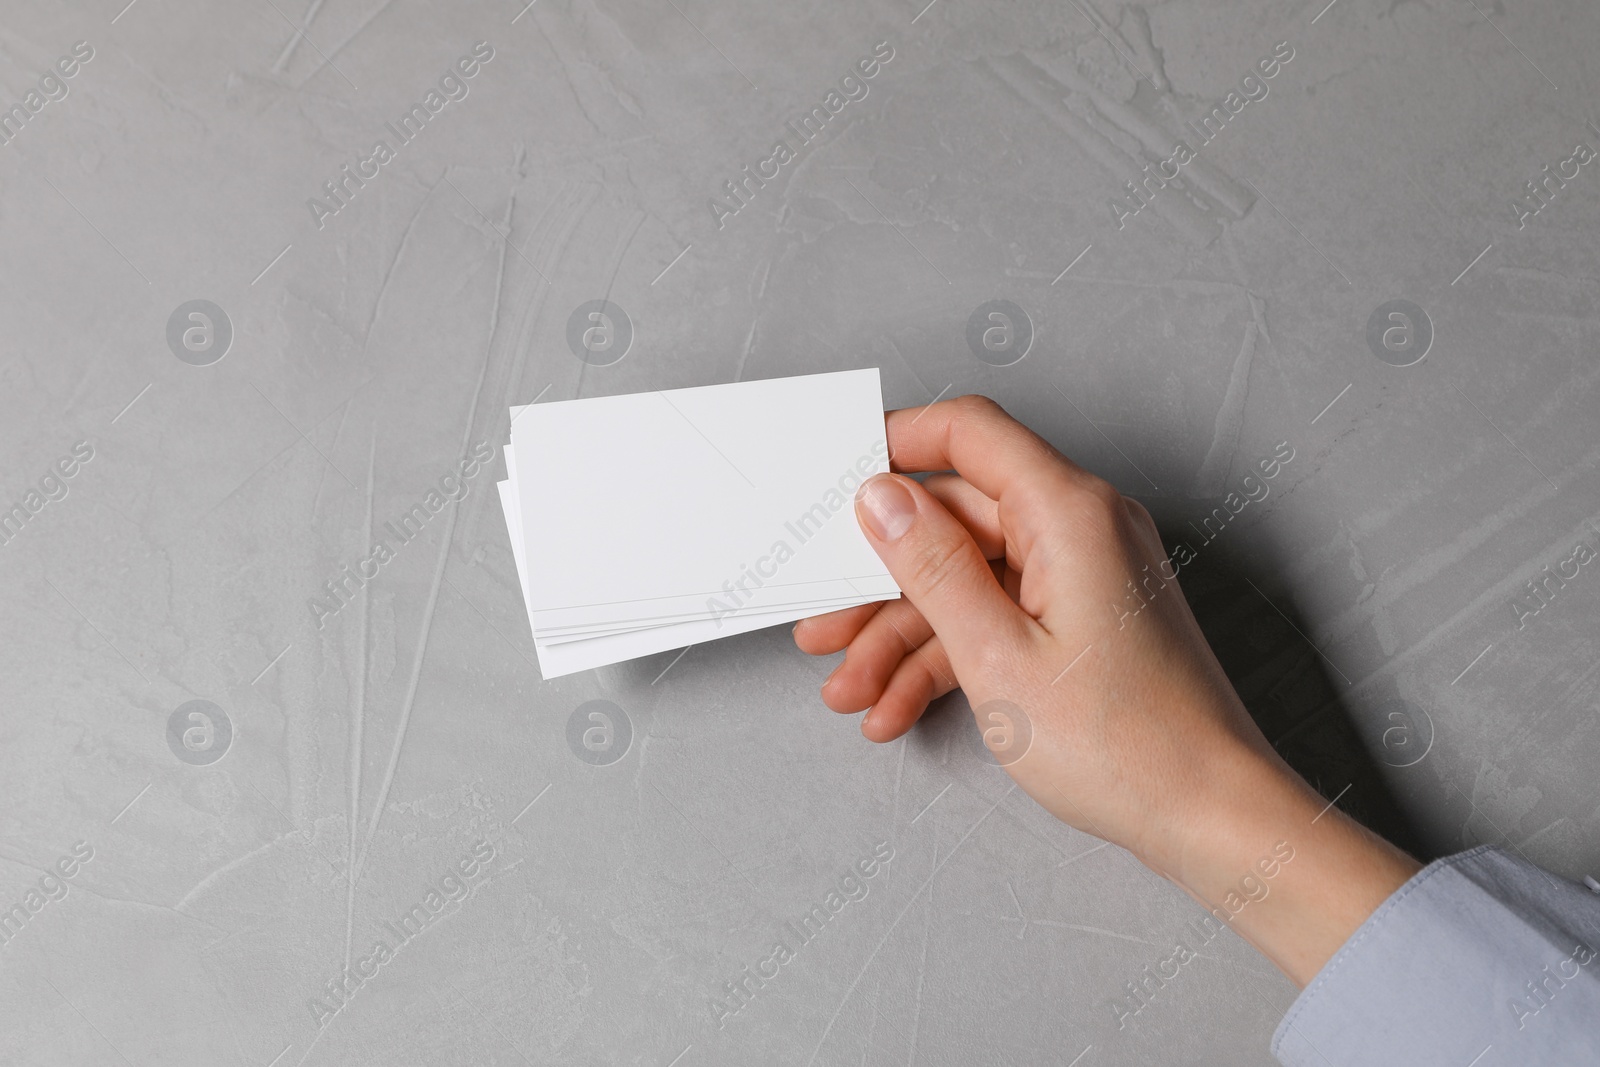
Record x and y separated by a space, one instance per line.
939 567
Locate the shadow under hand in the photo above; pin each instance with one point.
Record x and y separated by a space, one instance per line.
1295 695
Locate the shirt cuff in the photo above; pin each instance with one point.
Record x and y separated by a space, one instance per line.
1481 958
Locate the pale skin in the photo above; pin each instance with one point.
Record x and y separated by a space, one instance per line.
1012 567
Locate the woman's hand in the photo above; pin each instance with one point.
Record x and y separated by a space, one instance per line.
1046 595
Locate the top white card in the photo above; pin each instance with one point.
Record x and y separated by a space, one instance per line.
715 499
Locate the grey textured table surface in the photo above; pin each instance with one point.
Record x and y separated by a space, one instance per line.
377 314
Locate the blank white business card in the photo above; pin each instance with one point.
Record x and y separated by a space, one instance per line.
646 522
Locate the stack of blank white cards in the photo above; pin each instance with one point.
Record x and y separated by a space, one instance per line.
651 521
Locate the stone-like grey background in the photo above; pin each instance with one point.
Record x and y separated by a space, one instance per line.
1367 609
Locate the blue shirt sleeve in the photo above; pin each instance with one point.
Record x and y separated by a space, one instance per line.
1481 959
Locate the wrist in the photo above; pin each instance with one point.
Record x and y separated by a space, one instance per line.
1216 820
1272 859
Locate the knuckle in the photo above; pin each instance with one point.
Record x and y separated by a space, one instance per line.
975 407
1140 515
1098 523
907 643
934 672
1101 498
937 567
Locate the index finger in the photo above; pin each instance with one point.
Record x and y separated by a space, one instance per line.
1033 485
975 437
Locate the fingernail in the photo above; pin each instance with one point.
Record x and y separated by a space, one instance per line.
833 674
886 507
